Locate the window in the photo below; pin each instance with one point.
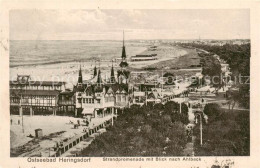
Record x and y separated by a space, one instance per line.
84 100
49 102
118 98
98 100
123 98
15 100
137 99
25 100
92 101
37 101
79 100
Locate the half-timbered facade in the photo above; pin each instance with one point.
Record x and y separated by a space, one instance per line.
34 97
66 102
97 98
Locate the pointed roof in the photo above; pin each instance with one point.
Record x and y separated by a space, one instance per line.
90 90
80 80
112 75
99 79
123 50
95 71
119 87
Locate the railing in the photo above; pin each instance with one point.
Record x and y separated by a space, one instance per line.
77 139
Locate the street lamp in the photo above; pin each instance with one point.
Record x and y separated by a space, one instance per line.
182 100
199 113
146 96
180 106
21 107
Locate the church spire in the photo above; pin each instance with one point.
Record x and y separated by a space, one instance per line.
80 80
112 76
95 70
123 63
99 79
123 49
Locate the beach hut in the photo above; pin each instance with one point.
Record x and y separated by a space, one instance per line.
38 133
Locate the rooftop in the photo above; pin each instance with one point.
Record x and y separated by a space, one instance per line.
38 83
15 92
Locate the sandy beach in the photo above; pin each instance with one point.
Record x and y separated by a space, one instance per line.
68 71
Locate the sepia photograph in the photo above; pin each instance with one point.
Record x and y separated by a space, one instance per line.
129 83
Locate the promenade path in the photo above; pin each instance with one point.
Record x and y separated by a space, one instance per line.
86 142
59 129
81 141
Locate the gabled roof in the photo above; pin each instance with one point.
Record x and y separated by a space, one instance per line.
98 88
90 90
155 95
152 95
80 88
69 93
119 87
109 90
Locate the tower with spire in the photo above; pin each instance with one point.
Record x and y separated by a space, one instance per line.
80 78
95 70
99 79
123 63
112 75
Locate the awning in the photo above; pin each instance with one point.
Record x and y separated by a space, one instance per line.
88 110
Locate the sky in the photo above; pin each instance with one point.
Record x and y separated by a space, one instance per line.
137 24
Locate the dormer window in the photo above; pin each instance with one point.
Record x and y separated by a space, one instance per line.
88 94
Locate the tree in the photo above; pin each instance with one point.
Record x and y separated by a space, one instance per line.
212 68
158 106
227 135
233 97
141 131
238 58
171 107
212 110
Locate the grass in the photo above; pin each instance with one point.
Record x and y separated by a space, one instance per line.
189 60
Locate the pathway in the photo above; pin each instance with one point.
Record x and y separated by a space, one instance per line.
189 149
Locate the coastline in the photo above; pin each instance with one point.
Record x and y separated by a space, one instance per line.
68 70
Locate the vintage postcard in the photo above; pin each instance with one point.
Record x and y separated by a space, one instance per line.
129 84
